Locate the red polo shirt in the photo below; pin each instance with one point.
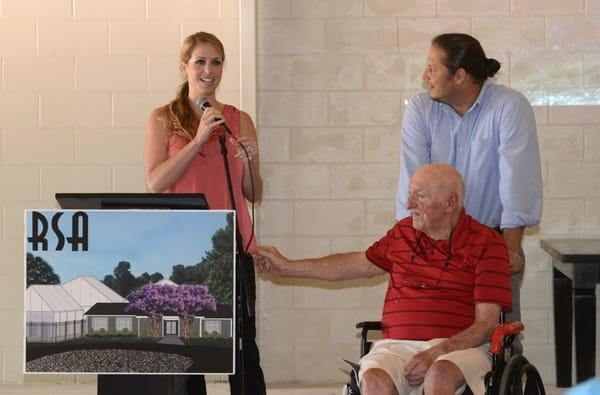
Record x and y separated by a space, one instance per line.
435 284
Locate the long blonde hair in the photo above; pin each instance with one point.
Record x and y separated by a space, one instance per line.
182 116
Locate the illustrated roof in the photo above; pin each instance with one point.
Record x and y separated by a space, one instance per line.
114 309
55 297
102 288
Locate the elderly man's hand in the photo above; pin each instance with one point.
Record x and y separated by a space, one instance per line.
516 262
269 260
415 369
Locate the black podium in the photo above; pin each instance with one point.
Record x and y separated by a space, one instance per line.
133 384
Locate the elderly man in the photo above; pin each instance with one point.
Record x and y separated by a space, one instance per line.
449 280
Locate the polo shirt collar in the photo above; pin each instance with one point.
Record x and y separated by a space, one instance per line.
458 237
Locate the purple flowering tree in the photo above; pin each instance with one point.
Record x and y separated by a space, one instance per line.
183 300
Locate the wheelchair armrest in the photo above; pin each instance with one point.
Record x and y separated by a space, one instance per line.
510 328
365 327
369 325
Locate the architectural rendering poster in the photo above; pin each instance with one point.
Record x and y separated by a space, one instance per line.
129 291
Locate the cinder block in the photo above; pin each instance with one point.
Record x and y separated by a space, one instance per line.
351 243
574 114
132 110
13 331
12 251
23 74
274 144
327 72
277 362
36 9
327 9
68 37
13 291
518 34
275 293
19 110
327 367
311 326
399 8
266 9
129 179
364 181
278 327
50 147
276 218
307 182
19 183
329 145
109 9
394 72
158 36
82 179
180 8
563 216
274 72
106 147
14 227
561 142
592 142
472 7
295 109
380 217
347 108
552 7
343 324
12 358
164 74
537 326
114 73
298 247
79 110
290 36
415 34
592 216
361 36
316 294
226 29
383 144
550 70
329 217
17 35
572 33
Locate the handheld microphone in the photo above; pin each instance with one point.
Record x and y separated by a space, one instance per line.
203 103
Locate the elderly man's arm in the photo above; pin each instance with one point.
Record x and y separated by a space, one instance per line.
347 266
486 318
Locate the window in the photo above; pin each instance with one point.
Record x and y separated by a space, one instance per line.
211 326
124 323
99 323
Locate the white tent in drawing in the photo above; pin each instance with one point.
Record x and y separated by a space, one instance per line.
48 311
88 291
55 312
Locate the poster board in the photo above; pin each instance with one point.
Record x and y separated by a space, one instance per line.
129 291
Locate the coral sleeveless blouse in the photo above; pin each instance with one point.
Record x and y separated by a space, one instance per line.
206 174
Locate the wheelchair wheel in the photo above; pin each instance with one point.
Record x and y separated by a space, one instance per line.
519 377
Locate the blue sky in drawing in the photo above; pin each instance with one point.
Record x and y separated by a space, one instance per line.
152 241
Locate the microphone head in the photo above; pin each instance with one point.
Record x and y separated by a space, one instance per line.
203 103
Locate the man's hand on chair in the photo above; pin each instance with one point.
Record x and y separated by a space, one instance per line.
415 369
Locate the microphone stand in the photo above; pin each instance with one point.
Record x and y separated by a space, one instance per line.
245 300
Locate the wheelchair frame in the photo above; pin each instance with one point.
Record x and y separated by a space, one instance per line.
508 368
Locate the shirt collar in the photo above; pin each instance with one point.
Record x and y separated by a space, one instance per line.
458 237
448 108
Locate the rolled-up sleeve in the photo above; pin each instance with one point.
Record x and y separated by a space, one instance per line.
520 171
415 150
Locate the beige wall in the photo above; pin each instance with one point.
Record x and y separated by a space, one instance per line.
333 77
79 79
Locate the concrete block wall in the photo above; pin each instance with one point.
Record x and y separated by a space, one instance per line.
78 81
333 77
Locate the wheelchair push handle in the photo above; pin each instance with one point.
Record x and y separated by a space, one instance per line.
510 328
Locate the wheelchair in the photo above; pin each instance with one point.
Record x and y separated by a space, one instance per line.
511 373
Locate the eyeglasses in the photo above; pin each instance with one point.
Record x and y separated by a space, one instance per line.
413 280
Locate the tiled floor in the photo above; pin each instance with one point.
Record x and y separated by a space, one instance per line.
213 389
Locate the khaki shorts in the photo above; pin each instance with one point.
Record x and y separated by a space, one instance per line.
391 356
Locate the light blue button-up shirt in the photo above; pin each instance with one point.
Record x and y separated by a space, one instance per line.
494 147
